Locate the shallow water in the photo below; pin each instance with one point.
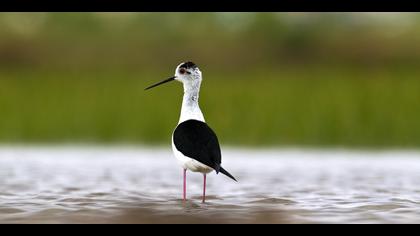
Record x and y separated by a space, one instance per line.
140 185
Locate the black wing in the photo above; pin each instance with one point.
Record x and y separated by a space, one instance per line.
195 139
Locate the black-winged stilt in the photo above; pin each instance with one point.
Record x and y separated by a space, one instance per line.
194 143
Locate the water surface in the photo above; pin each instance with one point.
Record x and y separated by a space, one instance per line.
144 185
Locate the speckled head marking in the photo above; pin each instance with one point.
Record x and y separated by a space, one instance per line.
188 65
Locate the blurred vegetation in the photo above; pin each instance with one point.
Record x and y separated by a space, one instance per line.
311 79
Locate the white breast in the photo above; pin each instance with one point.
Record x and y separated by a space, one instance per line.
190 111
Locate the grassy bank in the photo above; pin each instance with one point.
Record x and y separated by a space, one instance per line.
298 106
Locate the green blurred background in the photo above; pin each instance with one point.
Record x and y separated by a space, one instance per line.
270 79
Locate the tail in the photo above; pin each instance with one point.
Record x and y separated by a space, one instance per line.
223 171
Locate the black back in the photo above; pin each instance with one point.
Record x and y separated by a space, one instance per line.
195 139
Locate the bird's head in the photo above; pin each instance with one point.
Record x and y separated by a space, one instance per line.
186 73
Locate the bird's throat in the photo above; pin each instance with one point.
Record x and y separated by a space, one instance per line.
190 108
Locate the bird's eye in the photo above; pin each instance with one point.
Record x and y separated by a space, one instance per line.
182 71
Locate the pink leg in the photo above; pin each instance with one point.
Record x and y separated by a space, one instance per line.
185 185
204 188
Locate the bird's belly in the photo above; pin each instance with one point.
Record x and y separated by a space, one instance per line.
190 163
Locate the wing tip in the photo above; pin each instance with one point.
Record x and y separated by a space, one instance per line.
225 172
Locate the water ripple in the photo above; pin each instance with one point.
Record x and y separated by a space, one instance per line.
128 185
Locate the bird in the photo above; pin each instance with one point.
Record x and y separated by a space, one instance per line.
194 144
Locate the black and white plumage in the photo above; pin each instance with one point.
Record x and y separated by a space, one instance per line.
196 140
194 143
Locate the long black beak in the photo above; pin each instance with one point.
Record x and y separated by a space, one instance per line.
162 82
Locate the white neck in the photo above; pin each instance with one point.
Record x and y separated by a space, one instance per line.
190 108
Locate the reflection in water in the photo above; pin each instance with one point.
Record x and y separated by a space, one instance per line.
128 185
